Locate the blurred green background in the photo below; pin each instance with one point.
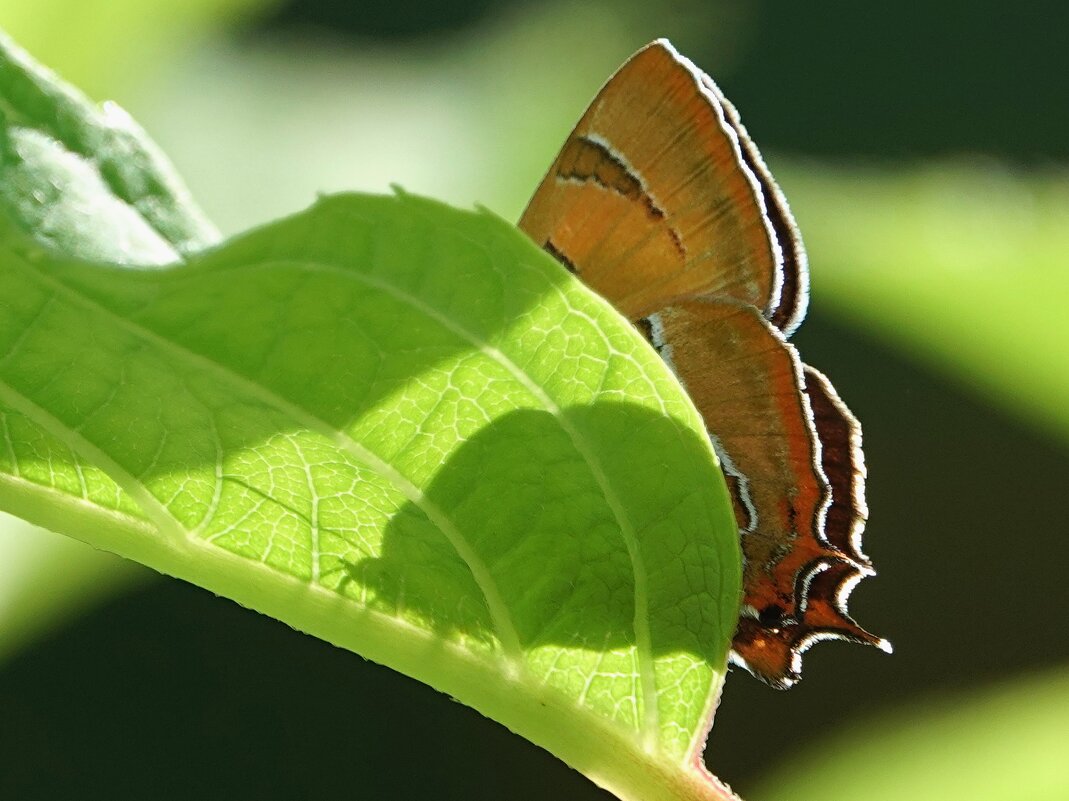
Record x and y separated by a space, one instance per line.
925 151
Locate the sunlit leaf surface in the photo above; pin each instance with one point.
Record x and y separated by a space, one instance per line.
405 429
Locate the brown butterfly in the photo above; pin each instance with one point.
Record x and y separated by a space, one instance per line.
661 202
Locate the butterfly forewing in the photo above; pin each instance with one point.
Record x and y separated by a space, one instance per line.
790 309
647 199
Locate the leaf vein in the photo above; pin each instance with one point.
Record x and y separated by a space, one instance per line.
15 471
499 613
643 638
156 512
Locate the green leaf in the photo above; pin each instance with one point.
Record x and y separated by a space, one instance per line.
962 266
87 182
1004 742
85 179
405 429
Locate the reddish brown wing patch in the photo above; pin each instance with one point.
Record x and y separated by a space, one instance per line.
746 381
648 199
660 201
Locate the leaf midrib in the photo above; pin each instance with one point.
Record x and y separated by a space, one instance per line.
16 471
156 512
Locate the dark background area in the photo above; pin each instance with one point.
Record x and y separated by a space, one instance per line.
171 693
834 78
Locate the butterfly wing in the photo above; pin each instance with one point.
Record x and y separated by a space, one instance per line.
789 312
791 453
660 201
659 194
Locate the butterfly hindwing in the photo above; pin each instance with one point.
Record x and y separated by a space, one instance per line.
753 393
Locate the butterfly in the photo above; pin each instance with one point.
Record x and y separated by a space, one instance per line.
661 202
